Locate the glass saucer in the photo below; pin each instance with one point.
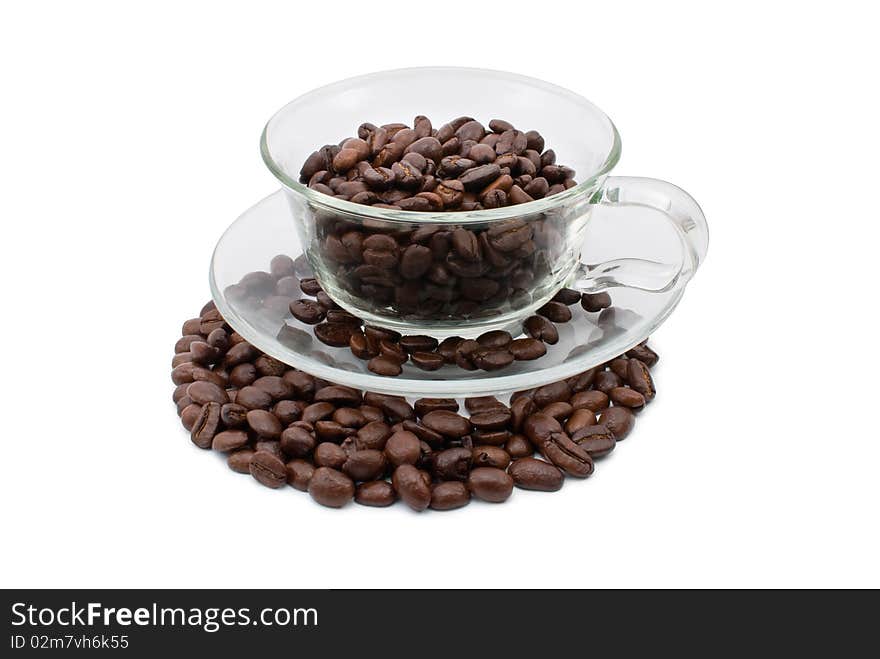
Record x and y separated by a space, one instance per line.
589 339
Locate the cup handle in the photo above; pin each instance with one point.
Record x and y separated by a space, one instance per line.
675 206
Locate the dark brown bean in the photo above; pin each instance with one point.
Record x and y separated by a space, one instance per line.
619 420
533 474
449 495
268 469
331 487
410 486
375 493
490 484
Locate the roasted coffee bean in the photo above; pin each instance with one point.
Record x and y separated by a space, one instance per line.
317 412
605 381
596 440
567 296
552 393
448 348
307 311
520 409
275 386
329 454
402 448
427 361
559 410
555 312
268 469
492 360
490 484
288 411
303 384
299 473
418 343
425 405
243 375
207 392
374 435
477 404
375 493
619 420
297 442
350 417
449 495
452 464
264 423
448 424
310 286
491 419
527 349
593 302
495 339
337 335
253 398
568 456
533 474
626 397
491 437
229 440
592 400
330 431
410 486
619 366
189 415
330 487
491 456
385 365
540 328
639 378
644 354
206 425
365 465
240 461
579 418
518 447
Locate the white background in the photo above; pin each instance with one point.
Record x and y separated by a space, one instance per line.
129 140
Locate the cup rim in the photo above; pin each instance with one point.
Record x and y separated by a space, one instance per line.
454 217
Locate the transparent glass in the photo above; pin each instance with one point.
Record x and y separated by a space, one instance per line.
478 294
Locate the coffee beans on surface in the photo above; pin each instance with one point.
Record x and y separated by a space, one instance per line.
284 426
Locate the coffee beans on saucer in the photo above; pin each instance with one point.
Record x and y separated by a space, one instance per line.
284 426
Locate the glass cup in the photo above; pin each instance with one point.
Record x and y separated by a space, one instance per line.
517 257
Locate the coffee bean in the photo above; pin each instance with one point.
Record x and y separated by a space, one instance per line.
495 339
644 354
559 410
229 440
425 405
337 335
402 448
329 454
384 365
518 447
491 419
552 393
542 329
578 419
330 487
318 412
206 425
626 397
410 486
555 312
639 378
490 484
452 464
240 461
447 423
268 469
619 420
297 441
595 301
491 456
527 349
264 423
310 286
605 381
568 456
307 311
207 392
365 465
592 400
532 474
189 414
299 473
427 361
375 493
619 366
596 440
449 495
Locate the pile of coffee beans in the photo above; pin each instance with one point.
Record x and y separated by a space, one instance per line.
386 351
284 426
437 271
